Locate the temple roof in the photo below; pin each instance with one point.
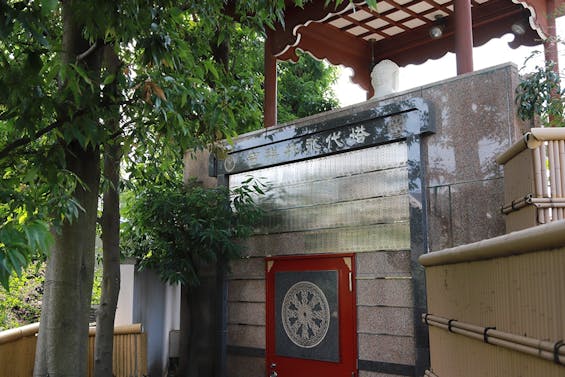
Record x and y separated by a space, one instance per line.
356 36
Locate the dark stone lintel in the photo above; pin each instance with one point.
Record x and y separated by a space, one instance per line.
380 125
246 351
388 368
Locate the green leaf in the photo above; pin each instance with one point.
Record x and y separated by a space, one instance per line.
372 4
4 274
38 236
17 260
109 79
48 6
212 69
82 73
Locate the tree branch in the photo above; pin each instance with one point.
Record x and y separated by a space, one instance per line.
5 152
89 51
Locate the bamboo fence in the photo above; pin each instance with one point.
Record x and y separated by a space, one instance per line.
546 169
495 307
17 351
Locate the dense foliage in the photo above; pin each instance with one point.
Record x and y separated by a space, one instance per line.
170 87
540 95
175 228
189 75
305 88
153 78
21 305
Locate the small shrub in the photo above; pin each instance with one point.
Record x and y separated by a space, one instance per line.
539 95
21 305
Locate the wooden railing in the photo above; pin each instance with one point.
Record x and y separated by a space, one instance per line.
534 179
17 351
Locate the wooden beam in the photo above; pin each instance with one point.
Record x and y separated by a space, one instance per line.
543 13
491 20
465 28
324 41
285 36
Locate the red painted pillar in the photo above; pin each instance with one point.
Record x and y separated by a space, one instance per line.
463 36
550 44
270 85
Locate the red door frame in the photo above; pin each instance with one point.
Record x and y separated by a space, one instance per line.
347 319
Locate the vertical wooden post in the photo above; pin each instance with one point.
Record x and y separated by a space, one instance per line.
270 85
463 36
550 47
550 44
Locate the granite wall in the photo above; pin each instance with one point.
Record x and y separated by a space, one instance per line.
474 120
351 202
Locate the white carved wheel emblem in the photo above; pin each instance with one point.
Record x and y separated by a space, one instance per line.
305 314
229 164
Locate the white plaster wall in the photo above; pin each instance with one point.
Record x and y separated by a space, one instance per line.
124 310
157 307
171 319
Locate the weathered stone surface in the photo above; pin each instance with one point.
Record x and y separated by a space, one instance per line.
383 263
364 373
475 122
246 290
247 268
472 125
196 166
276 244
385 320
243 366
476 211
393 236
246 313
246 336
385 292
439 221
465 212
387 348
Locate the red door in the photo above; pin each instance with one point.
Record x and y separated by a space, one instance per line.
311 316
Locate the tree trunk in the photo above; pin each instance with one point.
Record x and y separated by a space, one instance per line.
110 224
62 348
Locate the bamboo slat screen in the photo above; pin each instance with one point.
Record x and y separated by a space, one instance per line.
17 351
517 294
534 178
